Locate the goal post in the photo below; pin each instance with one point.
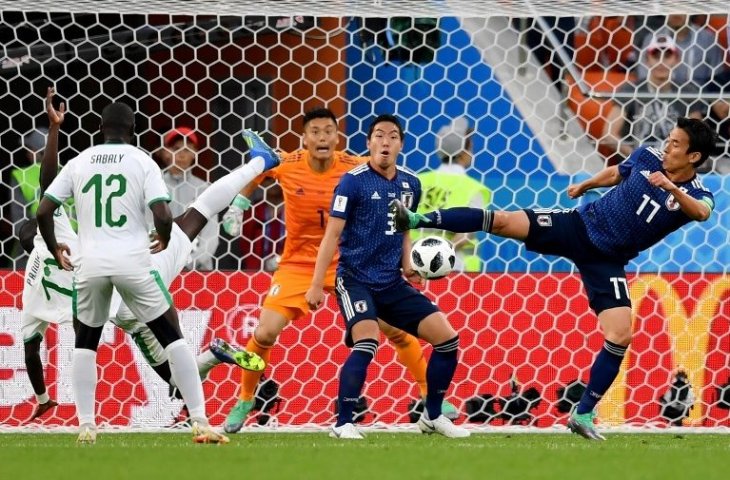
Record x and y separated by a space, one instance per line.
535 80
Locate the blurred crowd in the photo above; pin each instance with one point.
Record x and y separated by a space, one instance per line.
655 68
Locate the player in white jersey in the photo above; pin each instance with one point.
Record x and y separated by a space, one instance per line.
110 199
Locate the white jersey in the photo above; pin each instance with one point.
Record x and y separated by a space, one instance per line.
112 185
64 233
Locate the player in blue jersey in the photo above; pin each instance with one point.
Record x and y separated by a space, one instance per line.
656 193
370 282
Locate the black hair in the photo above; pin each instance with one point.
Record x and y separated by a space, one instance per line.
320 112
26 234
117 120
702 138
386 117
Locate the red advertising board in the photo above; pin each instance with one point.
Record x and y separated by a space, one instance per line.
533 327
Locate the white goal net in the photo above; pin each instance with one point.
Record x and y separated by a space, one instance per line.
552 90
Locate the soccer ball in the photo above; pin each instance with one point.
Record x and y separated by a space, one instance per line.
433 257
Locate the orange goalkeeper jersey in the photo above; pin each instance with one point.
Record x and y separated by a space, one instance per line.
307 198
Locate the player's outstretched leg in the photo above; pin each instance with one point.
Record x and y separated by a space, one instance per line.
258 148
227 354
457 219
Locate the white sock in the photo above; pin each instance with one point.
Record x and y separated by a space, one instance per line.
185 375
83 383
221 193
205 361
42 398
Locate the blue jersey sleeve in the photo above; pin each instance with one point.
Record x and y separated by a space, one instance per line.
345 197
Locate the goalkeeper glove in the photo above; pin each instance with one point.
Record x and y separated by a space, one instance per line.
233 218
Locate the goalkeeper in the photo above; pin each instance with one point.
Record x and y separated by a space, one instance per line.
656 193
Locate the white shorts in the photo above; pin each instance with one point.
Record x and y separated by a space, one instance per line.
169 263
144 293
47 292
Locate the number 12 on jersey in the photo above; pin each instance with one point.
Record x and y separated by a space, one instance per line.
105 191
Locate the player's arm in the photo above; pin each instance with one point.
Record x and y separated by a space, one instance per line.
49 163
157 198
607 177
326 253
58 191
695 209
405 262
162 219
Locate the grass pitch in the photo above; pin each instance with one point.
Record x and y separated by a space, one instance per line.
381 456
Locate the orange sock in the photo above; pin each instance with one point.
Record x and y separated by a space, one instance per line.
250 379
410 355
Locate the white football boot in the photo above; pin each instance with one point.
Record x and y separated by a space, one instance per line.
347 431
441 425
87 434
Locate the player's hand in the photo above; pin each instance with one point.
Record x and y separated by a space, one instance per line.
62 255
658 179
233 221
413 277
233 218
55 117
314 297
157 243
576 190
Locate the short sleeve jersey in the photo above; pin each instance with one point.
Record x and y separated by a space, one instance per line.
634 215
307 199
370 248
112 185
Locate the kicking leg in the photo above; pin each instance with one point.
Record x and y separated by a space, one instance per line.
514 224
223 191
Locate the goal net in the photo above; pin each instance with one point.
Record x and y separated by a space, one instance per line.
551 98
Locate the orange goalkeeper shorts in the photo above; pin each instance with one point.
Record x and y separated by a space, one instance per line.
287 290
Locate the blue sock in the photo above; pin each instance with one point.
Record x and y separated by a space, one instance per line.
603 373
439 373
352 378
459 220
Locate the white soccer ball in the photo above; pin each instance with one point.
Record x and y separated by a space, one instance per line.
433 257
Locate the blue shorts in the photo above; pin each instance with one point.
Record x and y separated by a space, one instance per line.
400 306
563 233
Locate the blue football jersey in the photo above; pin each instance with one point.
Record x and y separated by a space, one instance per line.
634 215
370 248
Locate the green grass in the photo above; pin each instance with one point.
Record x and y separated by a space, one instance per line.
381 456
